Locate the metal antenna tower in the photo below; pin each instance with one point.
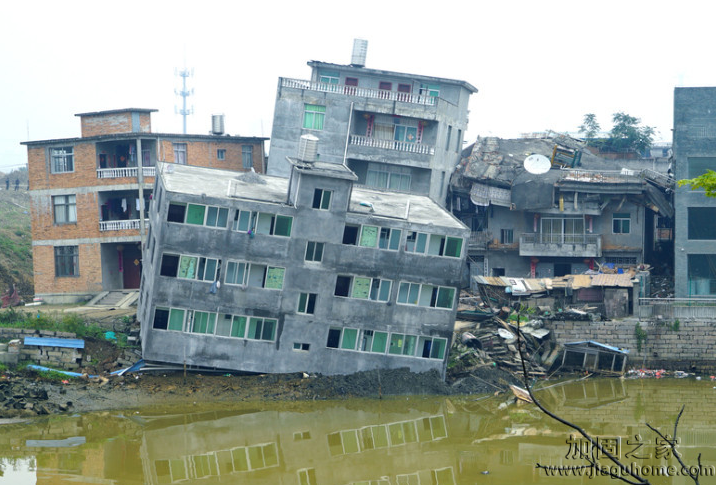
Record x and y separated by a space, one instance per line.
184 93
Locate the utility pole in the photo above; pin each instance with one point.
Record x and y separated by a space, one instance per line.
184 93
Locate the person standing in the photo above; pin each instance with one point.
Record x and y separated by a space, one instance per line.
7 183
17 184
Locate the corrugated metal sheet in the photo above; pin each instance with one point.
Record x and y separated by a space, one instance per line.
69 343
622 280
581 281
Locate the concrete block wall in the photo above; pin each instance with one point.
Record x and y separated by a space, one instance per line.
56 357
691 348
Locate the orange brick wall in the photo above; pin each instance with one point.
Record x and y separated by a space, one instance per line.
90 266
113 123
44 227
204 154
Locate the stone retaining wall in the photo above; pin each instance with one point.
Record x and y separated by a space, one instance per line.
56 357
691 347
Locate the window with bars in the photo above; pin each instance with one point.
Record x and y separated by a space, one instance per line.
180 153
67 261
62 159
247 156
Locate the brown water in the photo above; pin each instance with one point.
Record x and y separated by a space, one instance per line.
416 440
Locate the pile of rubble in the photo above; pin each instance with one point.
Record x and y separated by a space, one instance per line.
492 342
18 399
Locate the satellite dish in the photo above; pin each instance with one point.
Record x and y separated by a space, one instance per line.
537 164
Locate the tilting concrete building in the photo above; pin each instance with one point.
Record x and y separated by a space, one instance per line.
90 197
311 273
694 154
394 130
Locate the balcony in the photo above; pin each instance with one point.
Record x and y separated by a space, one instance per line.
479 240
119 225
561 245
131 172
359 92
401 146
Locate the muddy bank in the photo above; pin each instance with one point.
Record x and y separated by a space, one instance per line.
27 394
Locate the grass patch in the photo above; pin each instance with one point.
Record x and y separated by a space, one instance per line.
11 318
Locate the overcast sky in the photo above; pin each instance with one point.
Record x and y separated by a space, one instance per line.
537 65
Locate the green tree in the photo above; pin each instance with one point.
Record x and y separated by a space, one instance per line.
706 181
627 134
589 127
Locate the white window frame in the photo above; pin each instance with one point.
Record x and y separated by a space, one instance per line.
62 159
180 153
221 153
313 253
421 295
250 271
67 206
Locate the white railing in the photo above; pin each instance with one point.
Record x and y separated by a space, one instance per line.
360 92
115 173
677 308
119 225
401 146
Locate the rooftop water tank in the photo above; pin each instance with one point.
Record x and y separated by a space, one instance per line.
217 124
360 49
307 148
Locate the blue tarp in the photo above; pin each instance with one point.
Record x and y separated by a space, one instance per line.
69 343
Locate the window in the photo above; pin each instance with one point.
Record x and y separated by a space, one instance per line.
506 236
699 165
307 303
262 329
322 199
314 251
426 295
373 341
432 90
190 267
255 275
350 234
203 322
221 154
170 265
431 347
67 261
301 346
247 156
65 209
273 225
243 221
701 223
313 116
363 288
329 77
380 237
307 476
404 91
621 222
199 215
62 159
161 318
416 242
445 246
180 153
231 326
405 133
401 344
342 338
381 178
447 140
384 89
458 141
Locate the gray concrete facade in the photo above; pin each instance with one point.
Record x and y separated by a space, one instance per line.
694 153
368 298
394 130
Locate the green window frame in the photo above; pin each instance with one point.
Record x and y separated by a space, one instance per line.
313 116
453 247
243 221
262 329
349 339
368 236
307 303
216 216
187 267
380 342
389 238
416 242
176 319
203 322
195 214
322 199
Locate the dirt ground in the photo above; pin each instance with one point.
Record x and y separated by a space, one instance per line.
33 395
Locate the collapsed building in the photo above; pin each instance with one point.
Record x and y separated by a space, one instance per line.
578 212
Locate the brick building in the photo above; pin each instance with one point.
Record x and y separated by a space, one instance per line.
88 212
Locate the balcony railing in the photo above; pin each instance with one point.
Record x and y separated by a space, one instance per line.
401 146
479 240
360 92
601 176
115 173
677 308
119 225
565 245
